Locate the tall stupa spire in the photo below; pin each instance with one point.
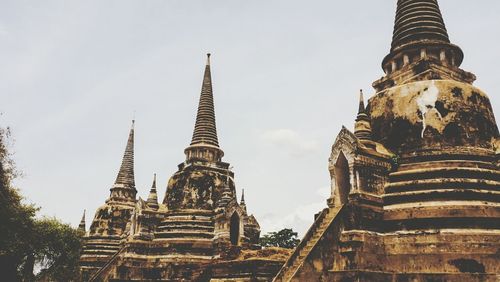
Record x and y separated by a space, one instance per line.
205 144
418 21
124 187
205 130
421 48
125 175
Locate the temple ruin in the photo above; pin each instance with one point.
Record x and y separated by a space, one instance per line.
200 232
415 188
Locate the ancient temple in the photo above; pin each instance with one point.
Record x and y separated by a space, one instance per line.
415 187
112 219
200 232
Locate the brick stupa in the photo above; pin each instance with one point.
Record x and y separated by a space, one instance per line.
415 187
198 233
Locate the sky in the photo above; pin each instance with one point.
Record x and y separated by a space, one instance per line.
286 76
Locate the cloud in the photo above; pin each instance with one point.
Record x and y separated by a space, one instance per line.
289 140
300 219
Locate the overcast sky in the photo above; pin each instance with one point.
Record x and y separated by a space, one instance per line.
286 76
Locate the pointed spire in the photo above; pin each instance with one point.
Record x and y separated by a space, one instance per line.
125 176
208 59
361 108
124 188
205 145
362 127
242 202
417 21
242 197
152 201
81 226
205 131
420 34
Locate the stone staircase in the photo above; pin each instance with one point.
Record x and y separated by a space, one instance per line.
310 240
106 267
96 251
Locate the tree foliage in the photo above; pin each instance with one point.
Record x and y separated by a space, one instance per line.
25 241
57 250
285 238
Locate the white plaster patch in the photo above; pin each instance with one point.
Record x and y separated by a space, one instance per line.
427 101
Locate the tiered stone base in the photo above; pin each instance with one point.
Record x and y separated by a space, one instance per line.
148 261
373 276
450 188
96 252
449 254
256 270
425 252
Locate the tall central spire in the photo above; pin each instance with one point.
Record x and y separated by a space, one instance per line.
417 21
421 48
420 32
205 145
205 131
124 188
125 176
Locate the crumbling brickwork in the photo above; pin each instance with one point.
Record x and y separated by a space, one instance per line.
415 187
198 233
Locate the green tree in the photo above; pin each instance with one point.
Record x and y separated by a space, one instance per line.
285 238
26 242
16 218
56 250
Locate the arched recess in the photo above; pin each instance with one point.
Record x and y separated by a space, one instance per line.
342 177
234 229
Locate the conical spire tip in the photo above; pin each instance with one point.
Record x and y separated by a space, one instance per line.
126 173
154 182
83 217
361 108
205 131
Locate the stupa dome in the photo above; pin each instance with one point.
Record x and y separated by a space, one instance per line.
433 114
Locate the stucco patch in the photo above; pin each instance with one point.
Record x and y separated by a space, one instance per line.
427 105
